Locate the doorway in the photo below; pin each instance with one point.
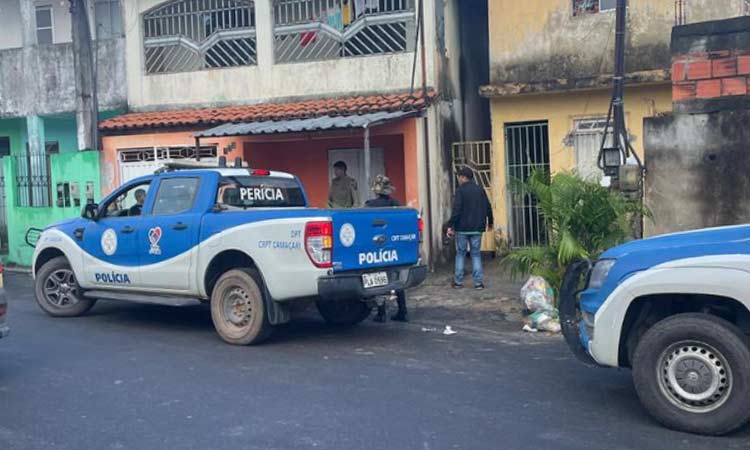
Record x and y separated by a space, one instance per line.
527 149
355 162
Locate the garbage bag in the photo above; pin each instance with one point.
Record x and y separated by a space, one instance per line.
538 295
546 321
539 299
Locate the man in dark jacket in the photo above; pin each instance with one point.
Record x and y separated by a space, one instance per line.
470 218
383 189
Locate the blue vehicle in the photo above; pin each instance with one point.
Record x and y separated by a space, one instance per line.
675 309
243 240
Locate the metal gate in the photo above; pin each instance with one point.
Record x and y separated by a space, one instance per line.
137 162
527 148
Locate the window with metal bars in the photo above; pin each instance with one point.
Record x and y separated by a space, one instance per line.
191 35
33 186
309 30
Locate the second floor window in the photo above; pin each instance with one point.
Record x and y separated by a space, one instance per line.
44 28
108 19
190 35
581 7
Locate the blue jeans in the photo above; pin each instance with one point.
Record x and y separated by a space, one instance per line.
474 244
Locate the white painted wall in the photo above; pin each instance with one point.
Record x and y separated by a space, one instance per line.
10 24
266 81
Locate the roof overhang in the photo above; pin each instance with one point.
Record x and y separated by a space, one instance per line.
323 123
642 78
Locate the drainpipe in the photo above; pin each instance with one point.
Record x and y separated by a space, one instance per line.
368 162
426 138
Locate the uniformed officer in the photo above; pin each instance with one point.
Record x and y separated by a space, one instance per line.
343 193
383 189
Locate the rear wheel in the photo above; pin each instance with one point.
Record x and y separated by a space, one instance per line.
344 313
238 309
57 292
692 373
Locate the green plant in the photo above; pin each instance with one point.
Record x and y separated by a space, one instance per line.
582 218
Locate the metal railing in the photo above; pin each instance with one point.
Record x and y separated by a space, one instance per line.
477 156
33 180
310 30
190 35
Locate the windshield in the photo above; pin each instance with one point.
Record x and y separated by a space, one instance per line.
259 192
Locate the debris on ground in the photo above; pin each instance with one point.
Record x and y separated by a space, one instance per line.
449 331
539 299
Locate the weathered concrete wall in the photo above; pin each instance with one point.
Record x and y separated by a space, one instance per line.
697 170
39 80
541 40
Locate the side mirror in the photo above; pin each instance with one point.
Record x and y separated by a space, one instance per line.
91 211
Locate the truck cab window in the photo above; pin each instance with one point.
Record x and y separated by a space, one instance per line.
128 203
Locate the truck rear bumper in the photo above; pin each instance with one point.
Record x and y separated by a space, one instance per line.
349 286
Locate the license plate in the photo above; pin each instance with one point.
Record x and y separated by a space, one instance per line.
377 279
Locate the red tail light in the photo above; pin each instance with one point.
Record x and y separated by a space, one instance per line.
3 309
319 243
1 267
260 172
420 226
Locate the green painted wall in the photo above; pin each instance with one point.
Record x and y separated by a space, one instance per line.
69 166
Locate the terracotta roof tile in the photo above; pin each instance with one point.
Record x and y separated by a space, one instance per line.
269 111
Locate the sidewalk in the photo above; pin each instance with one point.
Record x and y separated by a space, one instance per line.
496 308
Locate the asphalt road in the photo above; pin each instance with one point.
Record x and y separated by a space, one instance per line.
145 377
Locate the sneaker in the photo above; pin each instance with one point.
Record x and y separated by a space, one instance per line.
458 286
479 287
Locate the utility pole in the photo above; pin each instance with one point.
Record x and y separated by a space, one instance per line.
620 162
87 107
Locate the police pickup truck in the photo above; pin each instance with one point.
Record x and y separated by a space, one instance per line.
243 240
675 309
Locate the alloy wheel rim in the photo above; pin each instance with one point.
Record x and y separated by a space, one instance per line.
61 288
695 376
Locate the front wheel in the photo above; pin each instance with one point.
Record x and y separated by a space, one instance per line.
344 313
57 292
692 373
238 310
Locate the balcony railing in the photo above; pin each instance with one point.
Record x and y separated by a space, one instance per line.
189 35
309 30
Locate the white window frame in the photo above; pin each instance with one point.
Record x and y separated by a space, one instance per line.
600 11
51 27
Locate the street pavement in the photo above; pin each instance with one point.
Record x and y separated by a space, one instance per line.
147 377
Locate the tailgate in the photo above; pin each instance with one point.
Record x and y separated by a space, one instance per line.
372 238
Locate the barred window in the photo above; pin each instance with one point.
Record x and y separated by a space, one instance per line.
190 35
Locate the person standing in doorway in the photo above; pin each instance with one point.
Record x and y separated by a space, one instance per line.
343 193
383 189
470 218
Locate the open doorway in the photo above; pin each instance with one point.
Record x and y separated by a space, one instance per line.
355 162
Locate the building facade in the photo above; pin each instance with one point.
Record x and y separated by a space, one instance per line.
551 65
297 85
44 176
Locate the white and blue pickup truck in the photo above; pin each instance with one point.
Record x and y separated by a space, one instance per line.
675 309
243 240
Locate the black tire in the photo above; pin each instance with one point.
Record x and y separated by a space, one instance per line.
238 308
344 313
695 355
56 290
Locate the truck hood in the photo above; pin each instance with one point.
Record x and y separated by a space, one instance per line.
721 240
62 223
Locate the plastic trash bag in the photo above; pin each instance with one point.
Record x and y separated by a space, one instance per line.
538 295
539 299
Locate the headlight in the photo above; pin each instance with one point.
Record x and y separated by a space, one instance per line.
600 272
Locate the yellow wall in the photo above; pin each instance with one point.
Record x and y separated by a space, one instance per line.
561 110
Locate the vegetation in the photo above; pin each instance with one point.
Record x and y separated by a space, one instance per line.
583 219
